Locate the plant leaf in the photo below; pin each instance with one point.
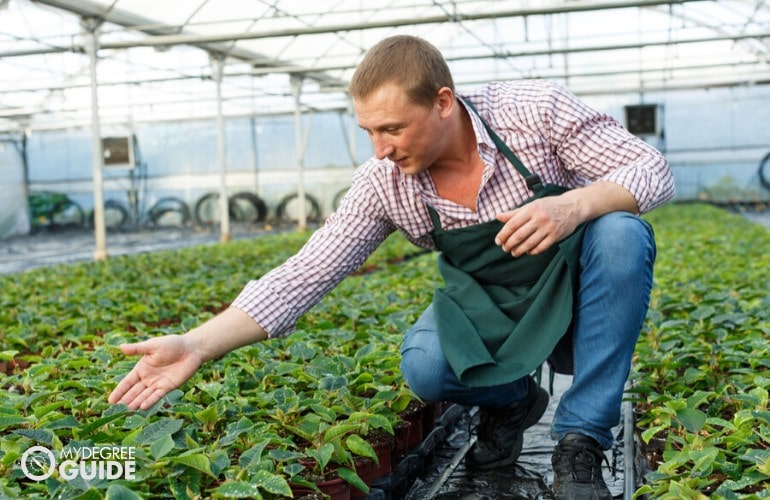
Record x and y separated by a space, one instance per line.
39 435
197 461
361 447
272 483
691 418
7 355
339 430
162 446
353 479
332 383
209 415
11 420
322 454
117 491
164 426
238 489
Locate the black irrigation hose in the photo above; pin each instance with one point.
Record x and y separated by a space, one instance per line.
169 205
201 205
764 177
120 210
253 203
116 215
235 204
313 215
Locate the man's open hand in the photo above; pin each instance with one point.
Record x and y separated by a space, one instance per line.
166 363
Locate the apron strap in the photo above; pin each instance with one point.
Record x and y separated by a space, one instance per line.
434 217
532 180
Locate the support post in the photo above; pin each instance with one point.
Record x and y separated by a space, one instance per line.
218 67
90 28
352 132
299 148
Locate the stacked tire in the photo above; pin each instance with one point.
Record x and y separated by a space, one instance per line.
242 207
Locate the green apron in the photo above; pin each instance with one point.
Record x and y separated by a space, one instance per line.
499 317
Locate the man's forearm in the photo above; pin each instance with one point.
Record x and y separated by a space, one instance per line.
601 198
225 332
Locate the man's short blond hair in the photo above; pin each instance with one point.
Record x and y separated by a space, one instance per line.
410 62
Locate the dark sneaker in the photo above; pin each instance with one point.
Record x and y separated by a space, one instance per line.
501 431
577 469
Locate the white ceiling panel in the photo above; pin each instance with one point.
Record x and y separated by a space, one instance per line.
154 57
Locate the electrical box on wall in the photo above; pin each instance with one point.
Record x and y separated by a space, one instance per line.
118 151
642 119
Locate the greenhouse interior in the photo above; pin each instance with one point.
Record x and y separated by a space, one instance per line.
160 160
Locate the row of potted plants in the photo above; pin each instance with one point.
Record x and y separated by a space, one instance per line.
261 422
273 415
701 380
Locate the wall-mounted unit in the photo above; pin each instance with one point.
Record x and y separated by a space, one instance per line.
119 151
643 119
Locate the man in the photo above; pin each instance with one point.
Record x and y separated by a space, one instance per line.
439 177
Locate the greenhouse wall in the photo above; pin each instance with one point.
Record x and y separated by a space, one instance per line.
711 139
709 136
180 159
14 216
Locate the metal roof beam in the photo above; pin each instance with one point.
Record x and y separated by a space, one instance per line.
620 46
127 19
257 72
87 8
564 8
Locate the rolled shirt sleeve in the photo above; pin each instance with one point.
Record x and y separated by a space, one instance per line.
347 238
598 147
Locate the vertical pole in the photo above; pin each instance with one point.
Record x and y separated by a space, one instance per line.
629 448
353 132
218 66
255 152
296 90
90 27
25 164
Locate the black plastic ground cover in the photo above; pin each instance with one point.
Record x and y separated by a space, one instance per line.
417 475
419 460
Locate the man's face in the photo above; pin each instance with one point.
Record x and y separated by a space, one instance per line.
408 134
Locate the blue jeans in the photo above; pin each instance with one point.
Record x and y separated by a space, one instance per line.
616 264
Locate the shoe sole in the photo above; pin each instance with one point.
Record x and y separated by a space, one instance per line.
536 412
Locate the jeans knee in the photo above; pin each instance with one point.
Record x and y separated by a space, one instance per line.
621 244
423 381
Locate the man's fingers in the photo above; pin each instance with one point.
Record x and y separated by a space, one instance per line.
533 245
123 386
135 348
515 236
132 393
512 224
127 389
142 399
152 398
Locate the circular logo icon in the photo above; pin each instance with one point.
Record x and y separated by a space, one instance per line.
38 463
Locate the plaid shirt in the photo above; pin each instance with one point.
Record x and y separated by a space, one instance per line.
554 134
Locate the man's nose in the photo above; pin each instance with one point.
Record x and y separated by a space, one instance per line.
382 147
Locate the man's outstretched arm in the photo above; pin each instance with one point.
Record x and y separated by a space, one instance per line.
168 362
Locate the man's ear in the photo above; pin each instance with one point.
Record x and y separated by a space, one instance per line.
445 102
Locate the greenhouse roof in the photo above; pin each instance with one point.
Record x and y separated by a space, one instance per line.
159 60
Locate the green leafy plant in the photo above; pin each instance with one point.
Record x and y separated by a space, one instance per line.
700 375
224 433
